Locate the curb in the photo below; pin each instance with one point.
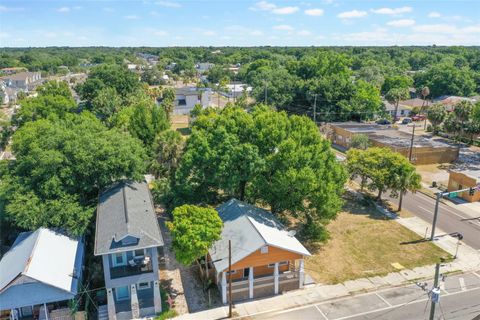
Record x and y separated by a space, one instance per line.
428 194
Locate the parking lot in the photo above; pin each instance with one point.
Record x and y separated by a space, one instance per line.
460 295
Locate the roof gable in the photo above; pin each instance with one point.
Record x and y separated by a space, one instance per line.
46 256
250 228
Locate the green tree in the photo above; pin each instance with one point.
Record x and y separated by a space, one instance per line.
436 114
61 166
447 79
395 95
147 120
407 179
55 88
167 150
194 230
360 141
263 156
44 107
402 82
106 103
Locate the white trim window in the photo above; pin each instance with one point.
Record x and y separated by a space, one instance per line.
233 272
264 249
139 253
281 263
143 285
119 259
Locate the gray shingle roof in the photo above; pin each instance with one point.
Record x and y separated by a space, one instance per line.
249 228
126 219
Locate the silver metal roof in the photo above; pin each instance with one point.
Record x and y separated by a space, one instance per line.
249 228
50 260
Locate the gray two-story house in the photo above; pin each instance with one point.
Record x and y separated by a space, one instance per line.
128 238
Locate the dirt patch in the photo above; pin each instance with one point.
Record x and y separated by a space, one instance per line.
364 243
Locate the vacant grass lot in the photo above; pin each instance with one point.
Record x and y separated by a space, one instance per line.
363 244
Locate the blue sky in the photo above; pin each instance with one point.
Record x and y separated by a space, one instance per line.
238 23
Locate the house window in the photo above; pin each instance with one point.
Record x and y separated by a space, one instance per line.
182 102
119 259
143 285
281 263
264 249
402 112
139 253
233 272
122 293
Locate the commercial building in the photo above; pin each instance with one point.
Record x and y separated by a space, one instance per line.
462 179
266 259
128 237
426 149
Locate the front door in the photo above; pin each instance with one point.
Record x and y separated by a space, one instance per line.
246 272
123 293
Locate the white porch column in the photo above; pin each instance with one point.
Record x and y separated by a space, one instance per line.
112 314
224 287
157 299
134 301
250 283
275 277
45 310
301 274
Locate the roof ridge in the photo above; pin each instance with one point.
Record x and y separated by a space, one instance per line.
29 260
251 222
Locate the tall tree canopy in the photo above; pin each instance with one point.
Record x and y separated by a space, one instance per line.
60 168
263 156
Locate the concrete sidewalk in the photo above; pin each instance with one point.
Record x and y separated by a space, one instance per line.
468 259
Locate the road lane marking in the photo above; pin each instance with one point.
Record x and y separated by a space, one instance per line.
462 284
442 287
477 273
383 299
424 209
321 312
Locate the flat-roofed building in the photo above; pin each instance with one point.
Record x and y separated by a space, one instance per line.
459 179
426 149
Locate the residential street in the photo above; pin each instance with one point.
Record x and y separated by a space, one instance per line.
449 219
459 300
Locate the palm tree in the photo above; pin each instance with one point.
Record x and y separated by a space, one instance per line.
425 93
408 180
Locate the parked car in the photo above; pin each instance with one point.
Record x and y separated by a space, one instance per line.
406 120
419 117
383 121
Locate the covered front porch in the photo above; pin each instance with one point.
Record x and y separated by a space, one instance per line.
47 311
262 280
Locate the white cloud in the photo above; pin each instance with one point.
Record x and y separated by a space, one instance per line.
283 27
434 14
263 6
9 9
304 33
314 12
256 33
77 8
131 17
352 14
4 35
285 10
63 9
401 23
444 28
392 11
267 6
169 4
160 33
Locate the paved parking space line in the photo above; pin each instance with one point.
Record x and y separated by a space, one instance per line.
383 299
321 312
462 284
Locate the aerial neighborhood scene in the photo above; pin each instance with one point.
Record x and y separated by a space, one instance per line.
200 160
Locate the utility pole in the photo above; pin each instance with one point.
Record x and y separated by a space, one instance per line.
229 278
435 214
315 109
411 144
435 293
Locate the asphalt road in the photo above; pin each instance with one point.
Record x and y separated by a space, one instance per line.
449 219
460 299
